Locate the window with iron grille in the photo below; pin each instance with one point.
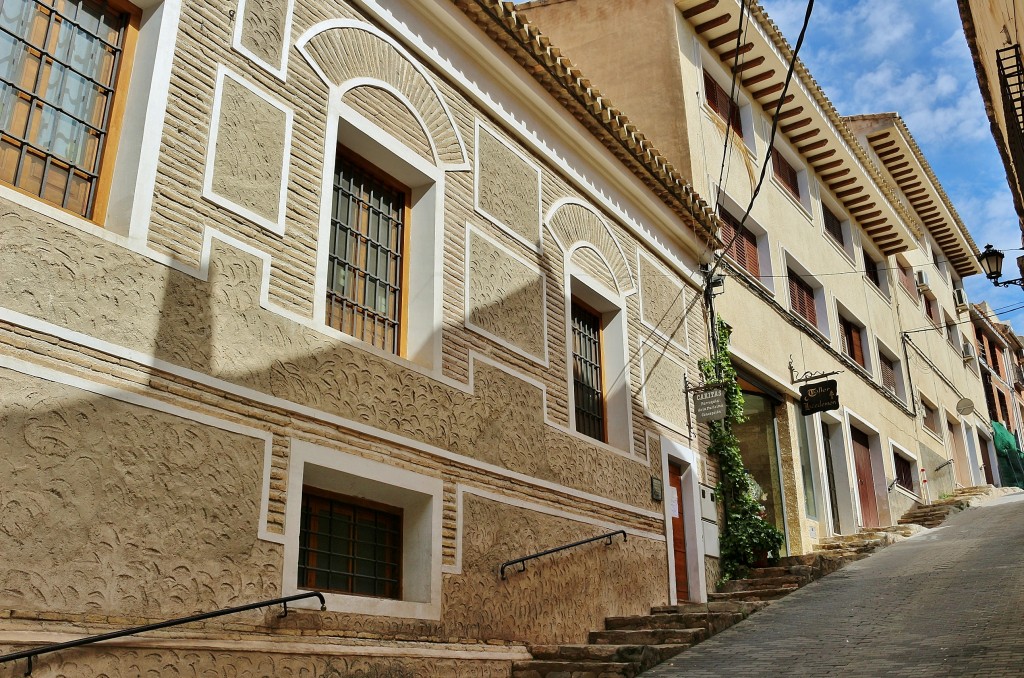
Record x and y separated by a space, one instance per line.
349 545
904 472
850 335
587 377
742 243
720 102
834 227
786 173
365 262
801 298
61 67
888 369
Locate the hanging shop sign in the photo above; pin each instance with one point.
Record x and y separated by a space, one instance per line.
821 396
709 404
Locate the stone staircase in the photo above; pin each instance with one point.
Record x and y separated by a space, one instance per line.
936 513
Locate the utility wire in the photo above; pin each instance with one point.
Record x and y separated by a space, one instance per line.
741 34
771 137
995 312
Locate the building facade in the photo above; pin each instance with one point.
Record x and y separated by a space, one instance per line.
362 297
849 263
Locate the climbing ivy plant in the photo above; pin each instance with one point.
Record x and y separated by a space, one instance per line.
746 536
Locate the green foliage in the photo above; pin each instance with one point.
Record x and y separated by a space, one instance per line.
746 536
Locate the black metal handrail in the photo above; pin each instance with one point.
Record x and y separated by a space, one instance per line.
29 654
522 561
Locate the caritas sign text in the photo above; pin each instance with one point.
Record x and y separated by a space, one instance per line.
820 397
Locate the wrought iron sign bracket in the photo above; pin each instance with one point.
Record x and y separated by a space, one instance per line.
808 376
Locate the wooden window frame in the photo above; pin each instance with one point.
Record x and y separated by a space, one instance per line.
742 244
602 385
889 372
378 175
100 198
904 471
722 104
802 298
851 340
930 417
907 282
786 174
308 491
834 227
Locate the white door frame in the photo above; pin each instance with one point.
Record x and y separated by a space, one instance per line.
696 577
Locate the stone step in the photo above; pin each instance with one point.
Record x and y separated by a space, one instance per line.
542 668
850 545
743 606
670 637
761 594
683 620
762 584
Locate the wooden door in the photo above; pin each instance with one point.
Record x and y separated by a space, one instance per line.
961 467
985 457
675 480
865 481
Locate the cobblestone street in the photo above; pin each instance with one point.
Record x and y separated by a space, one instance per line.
945 603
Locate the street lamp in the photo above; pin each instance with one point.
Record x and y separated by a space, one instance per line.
991 261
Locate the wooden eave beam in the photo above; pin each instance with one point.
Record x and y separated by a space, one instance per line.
774 104
747 65
770 89
723 39
743 49
821 156
713 23
786 129
760 77
835 175
700 9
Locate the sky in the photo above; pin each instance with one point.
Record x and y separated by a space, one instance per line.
911 57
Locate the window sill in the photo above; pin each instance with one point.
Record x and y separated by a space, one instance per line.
795 199
907 493
839 247
914 298
878 290
721 122
750 276
806 324
933 434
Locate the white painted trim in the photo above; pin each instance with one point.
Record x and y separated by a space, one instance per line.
696 575
478 125
645 347
751 365
276 226
851 416
568 247
427 223
315 30
652 326
421 529
45 327
621 394
461 490
282 645
280 71
137 399
505 342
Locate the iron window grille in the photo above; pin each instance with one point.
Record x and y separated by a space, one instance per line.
587 375
349 546
59 65
365 271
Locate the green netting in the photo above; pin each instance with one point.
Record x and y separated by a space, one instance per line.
1011 459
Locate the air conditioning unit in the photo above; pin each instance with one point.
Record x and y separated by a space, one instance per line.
960 299
969 354
922 281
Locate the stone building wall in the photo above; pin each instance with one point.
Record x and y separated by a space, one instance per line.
154 393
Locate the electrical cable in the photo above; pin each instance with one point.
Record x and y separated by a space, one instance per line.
741 34
995 312
771 137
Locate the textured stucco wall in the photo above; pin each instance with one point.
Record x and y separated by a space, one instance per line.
664 302
263 29
249 158
663 387
506 297
387 111
156 515
508 187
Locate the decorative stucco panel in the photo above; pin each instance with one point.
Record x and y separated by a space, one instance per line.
508 187
343 54
573 223
664 302
156 515
264 23
558 598
506 296
249 158
218 327
663 387
391 114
